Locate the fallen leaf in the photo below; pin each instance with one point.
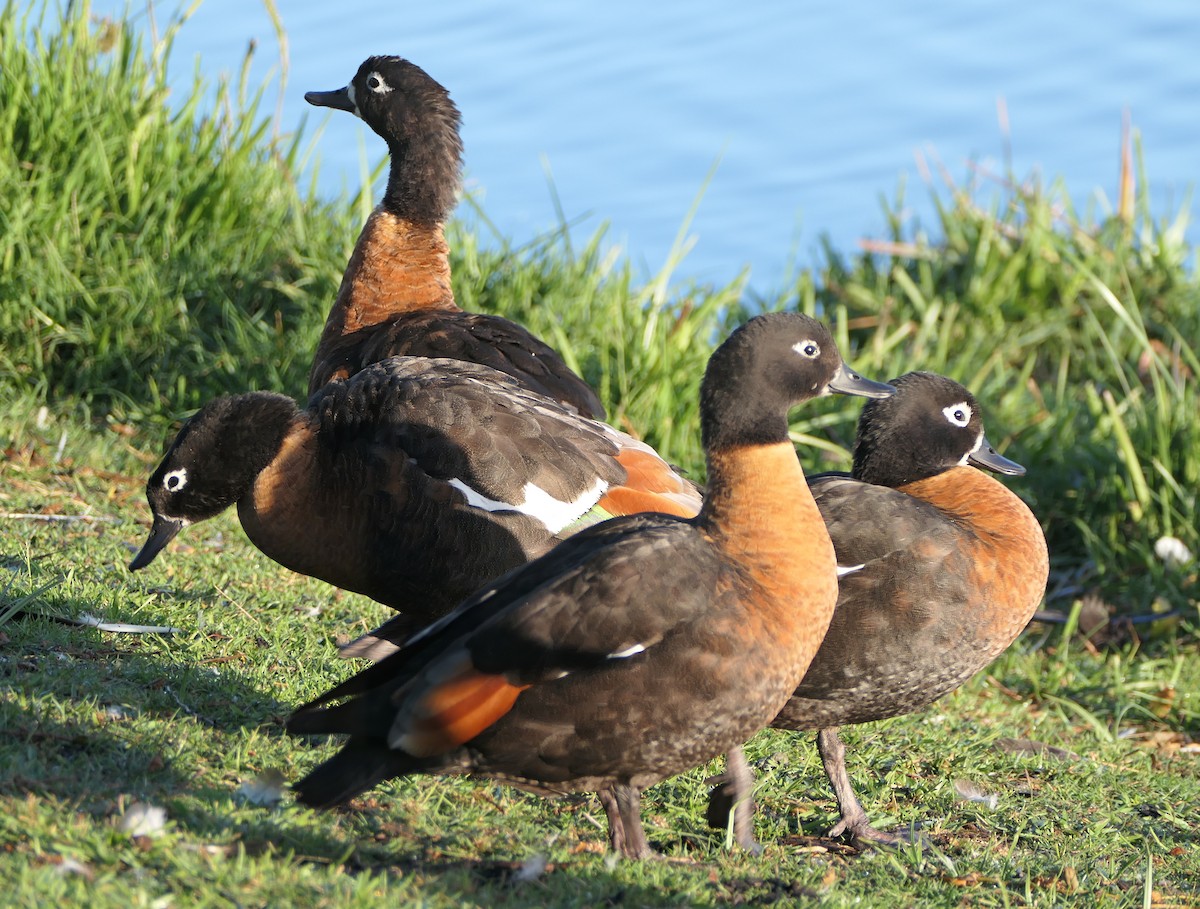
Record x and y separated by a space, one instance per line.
1161 703
829 878
973 879
1071 876
1163 740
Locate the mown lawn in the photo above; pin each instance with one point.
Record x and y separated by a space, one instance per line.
97 722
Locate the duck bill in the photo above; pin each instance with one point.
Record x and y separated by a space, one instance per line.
987 456
847 382
162 532
338 99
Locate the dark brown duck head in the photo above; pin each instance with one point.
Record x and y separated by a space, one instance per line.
213 463
931 424
414 115
768 365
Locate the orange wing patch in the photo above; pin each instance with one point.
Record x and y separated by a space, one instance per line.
650 485
455 711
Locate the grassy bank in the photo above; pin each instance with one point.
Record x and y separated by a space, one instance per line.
97 722
155 255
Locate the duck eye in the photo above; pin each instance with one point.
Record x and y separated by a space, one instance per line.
376 84
175 480
809 349
958 414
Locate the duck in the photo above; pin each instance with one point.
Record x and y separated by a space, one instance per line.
413 482
636 649
395 297
940 567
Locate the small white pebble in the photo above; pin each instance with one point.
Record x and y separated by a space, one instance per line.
1172 551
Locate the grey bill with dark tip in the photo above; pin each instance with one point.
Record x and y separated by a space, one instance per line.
339 98
987 456
162 532
847 382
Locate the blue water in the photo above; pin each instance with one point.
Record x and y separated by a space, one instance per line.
809 112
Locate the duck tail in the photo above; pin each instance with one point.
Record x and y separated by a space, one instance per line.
383 641
359 766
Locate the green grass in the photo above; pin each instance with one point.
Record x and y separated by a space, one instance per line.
154 255
95 722
151 256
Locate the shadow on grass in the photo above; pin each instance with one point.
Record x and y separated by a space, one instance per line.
93 715
593 883
137 674
78 761
585 880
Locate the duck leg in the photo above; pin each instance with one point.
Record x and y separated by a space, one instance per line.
616 827
854 819
734 792
623 805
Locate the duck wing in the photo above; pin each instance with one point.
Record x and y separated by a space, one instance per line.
471 337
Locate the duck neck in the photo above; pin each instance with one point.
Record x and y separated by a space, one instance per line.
258 424
288 495
398 266
426 159
758 506
986 507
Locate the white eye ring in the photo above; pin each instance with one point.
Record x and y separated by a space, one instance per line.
807 348
958 414
378 84
175 480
